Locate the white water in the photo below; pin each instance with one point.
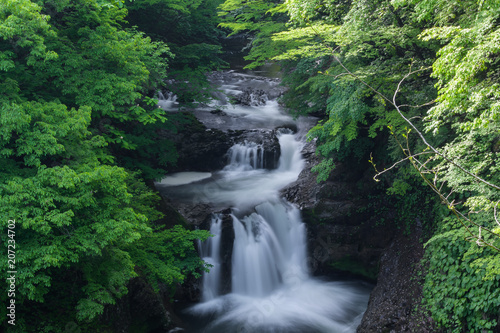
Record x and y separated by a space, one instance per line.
247 156
269 249
168 101
272 288
237 116
210 253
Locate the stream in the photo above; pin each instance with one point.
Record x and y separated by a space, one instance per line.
271 286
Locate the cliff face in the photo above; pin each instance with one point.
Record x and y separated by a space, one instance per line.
394 304
343 233
350 233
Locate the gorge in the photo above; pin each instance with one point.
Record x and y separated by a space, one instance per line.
266 285
106 103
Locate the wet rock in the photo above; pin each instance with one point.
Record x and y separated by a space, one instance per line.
341 234
198 149
202 149
218 112
227 241
196 214
251 97
142 309
217 76
189 291
195 154
290 127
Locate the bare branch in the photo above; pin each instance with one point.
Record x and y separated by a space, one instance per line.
435 179
394 165
425 141
495 213
339 75
418 106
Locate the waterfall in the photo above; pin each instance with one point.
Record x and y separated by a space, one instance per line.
269 247
290 160
271 288
256 257
167 101
210 253
245 156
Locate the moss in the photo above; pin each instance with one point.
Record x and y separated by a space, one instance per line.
355 267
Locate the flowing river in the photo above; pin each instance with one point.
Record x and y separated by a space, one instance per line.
272 288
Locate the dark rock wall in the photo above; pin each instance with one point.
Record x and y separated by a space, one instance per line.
394 304
343 235
269 142
205 150
198 148
227 241
141 310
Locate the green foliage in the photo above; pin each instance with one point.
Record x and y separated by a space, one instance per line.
76 89
68 214
467 71
308 92
461 290
167 256
259 18
85 58
369 37
307 42
346 110
323 168
468 104
24 24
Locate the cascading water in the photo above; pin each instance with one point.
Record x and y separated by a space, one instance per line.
272 289
269 248
167 101
245 156
210 253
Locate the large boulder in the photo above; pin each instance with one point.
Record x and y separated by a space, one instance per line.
251 97
198 148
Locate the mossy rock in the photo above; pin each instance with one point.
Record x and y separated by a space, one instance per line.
355 267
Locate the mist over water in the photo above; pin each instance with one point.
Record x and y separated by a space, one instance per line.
272 287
